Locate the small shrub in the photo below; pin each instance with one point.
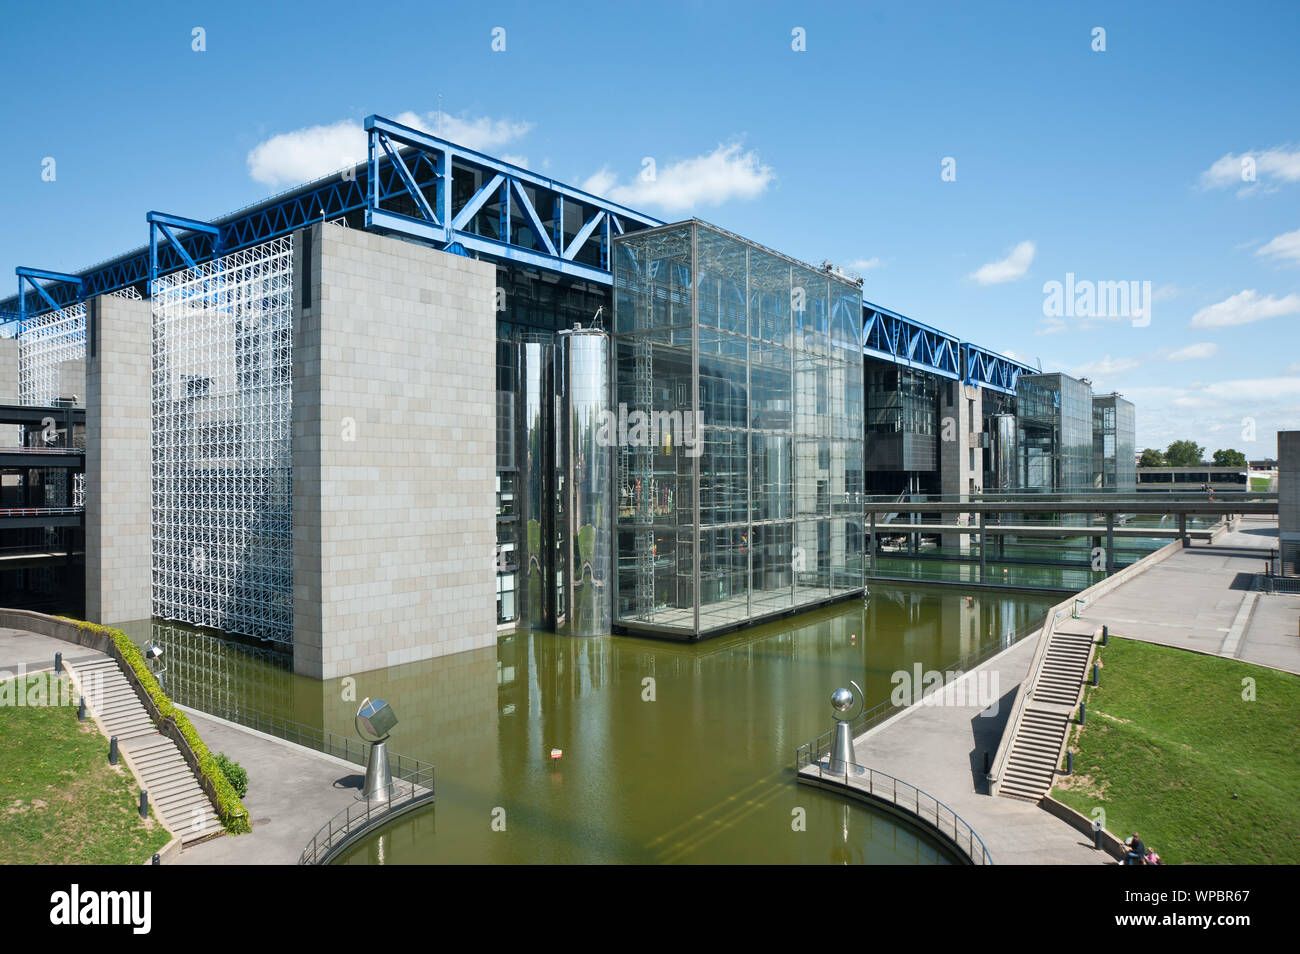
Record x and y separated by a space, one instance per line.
235 772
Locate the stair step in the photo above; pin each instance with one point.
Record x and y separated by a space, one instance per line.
173 803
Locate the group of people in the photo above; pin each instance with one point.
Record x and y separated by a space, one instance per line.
1139 854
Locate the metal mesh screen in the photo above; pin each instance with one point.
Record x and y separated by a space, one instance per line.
44 343
222 516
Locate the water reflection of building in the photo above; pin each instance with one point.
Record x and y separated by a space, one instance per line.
225 676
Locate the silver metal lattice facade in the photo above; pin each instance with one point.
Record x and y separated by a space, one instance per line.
44 344
222 508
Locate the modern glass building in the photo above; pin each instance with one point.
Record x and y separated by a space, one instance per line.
1113 426
902 425
739 474
1055 450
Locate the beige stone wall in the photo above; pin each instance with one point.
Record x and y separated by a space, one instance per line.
956 472
394 453
118 571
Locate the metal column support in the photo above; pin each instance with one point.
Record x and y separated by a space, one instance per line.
161 222
33 277
983 537
1110 542
873 542
1182 530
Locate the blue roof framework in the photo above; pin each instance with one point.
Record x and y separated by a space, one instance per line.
431 190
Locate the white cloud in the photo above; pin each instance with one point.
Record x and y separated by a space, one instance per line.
863 264
1282 248
1052 326
306 154
724 174
598 183
474 132
1243 308
315 151
1246 389
1293 368
1195 352
1106 365
1166 292
1008 269
1272 166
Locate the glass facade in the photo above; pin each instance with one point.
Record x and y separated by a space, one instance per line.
1056 447
902 418
739 461
1113 438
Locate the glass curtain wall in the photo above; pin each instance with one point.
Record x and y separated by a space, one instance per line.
1113 423
1056 433
745 498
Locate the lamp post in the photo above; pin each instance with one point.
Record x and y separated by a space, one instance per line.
153 653
374 720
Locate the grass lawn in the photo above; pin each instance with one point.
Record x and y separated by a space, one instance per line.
60 800
1260 484
1170 741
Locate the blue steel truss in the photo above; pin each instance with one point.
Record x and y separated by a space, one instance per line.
202 238
893 337
452 195
889 336
990 369
465 202
34 277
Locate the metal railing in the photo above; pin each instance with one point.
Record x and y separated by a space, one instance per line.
919 804
812 751
412 778
412 785
322 740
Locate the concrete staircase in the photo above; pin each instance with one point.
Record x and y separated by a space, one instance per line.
1039 733
174 792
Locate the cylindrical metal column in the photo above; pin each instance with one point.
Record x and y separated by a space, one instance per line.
536 483
584 479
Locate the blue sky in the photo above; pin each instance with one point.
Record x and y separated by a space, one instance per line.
1116 165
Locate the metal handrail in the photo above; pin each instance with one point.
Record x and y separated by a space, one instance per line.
811 751
361 815
958 831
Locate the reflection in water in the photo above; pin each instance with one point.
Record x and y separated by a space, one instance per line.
668 752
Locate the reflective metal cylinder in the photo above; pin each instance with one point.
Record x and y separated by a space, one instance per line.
584 483
1007 452
535 456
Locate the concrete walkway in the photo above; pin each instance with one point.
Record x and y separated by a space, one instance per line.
940 749
1202 599
35 653
292 792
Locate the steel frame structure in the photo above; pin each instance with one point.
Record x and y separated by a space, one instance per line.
411 185
893 337
508 212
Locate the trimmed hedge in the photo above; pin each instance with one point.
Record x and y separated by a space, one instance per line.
233 814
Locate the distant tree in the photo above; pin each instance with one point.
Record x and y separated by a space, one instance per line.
1229 458
1184 454
1151 457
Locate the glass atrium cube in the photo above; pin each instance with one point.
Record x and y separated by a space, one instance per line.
742 497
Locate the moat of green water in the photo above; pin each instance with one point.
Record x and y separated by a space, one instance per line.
668 752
